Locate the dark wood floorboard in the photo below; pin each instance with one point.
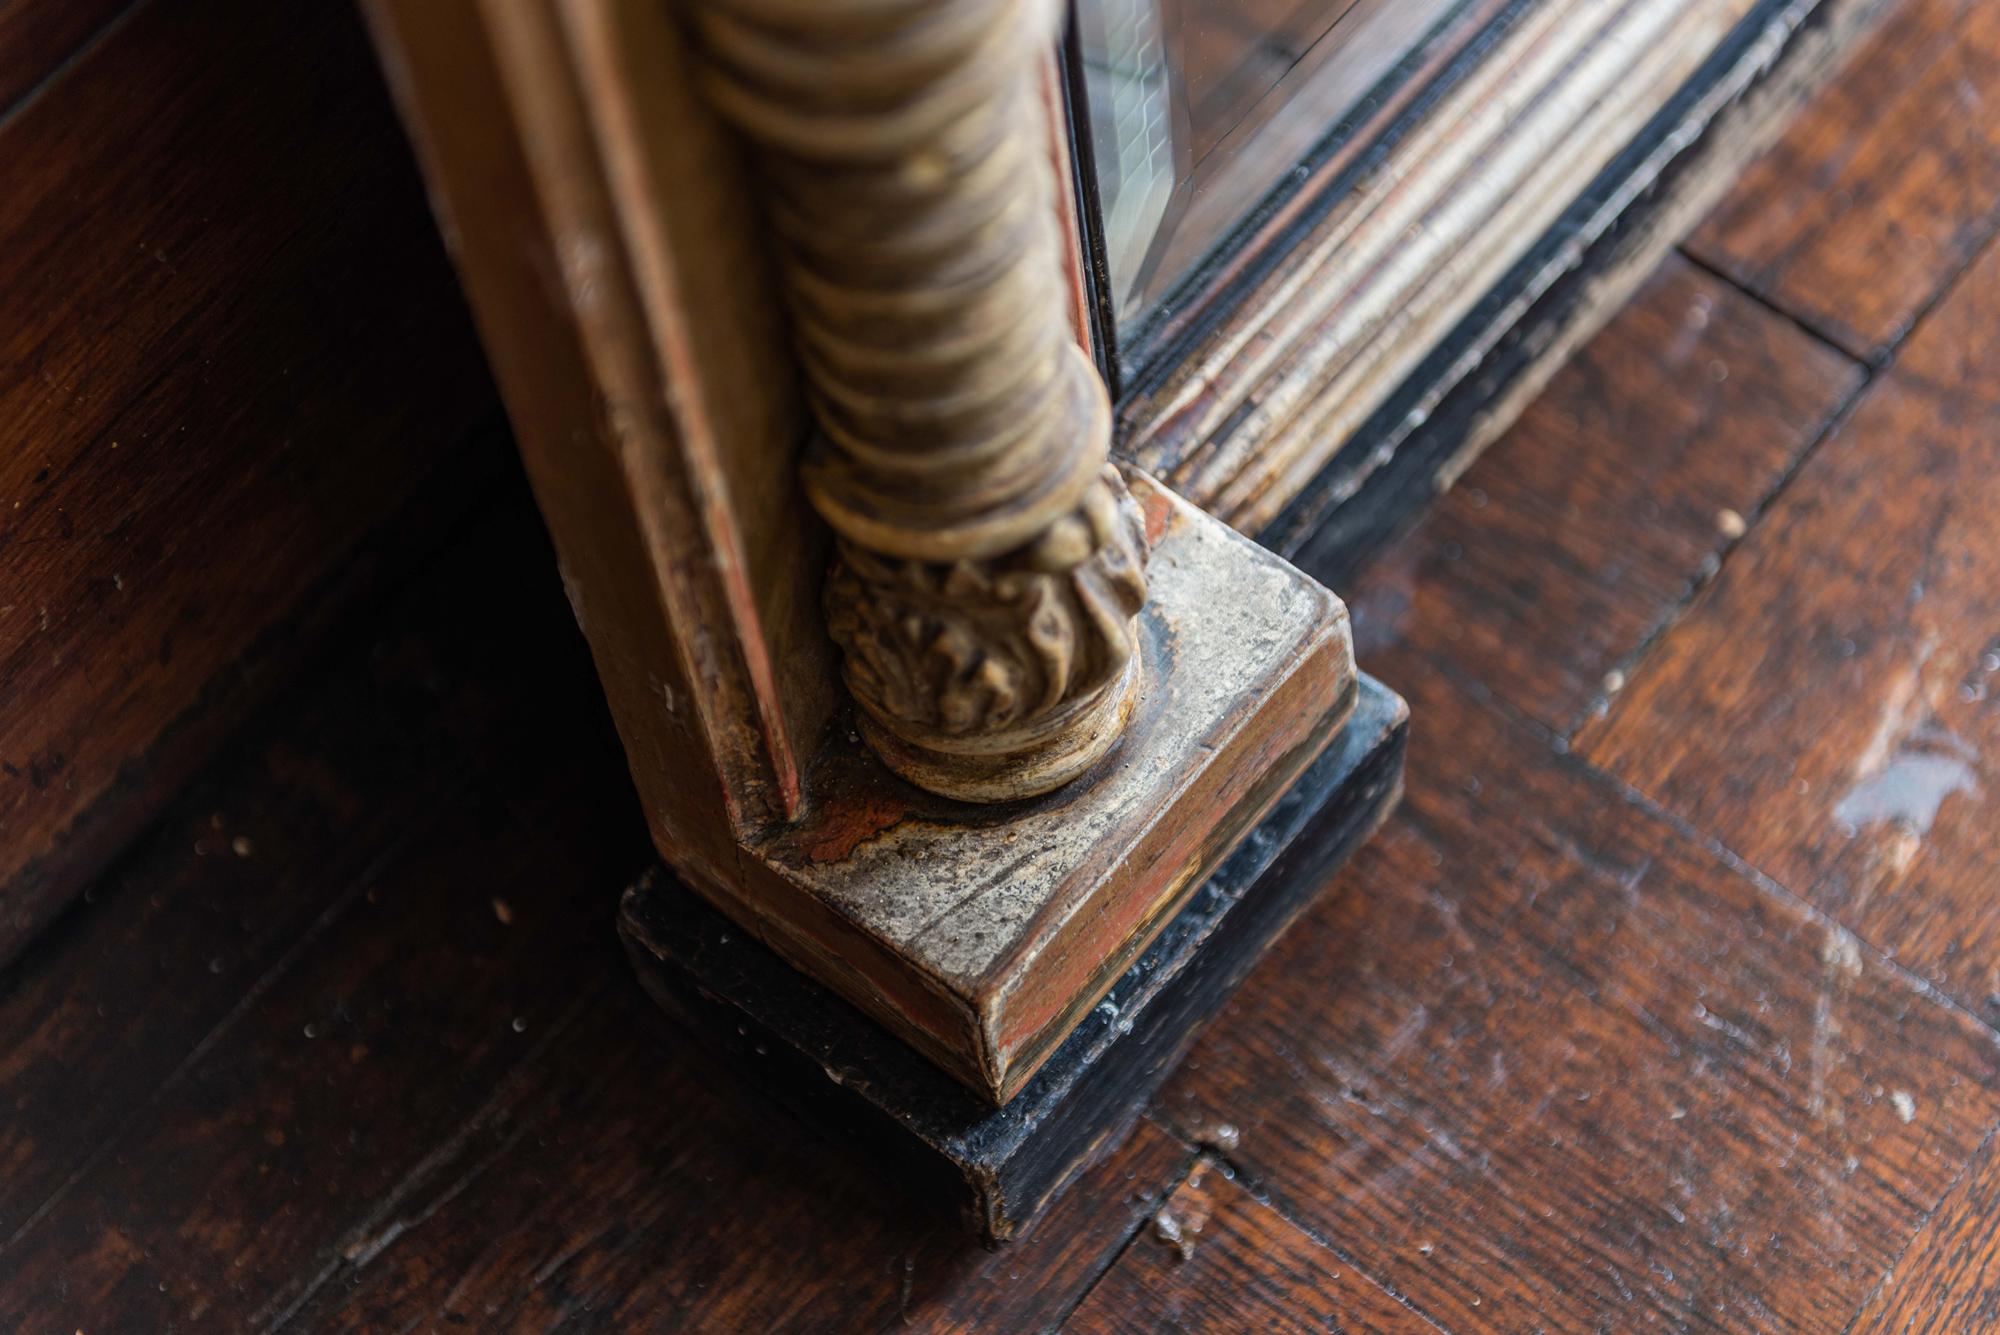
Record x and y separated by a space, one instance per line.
37 39
621 1182
1539 1057
1883 188
216 1160
1216 1258
1949 1278
233 352
1615 1027
140 974
1617 493
1830 710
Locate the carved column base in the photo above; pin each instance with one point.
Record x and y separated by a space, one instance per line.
982 935
1004 677
1019 763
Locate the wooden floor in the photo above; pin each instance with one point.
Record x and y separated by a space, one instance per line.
232 357
1670 1000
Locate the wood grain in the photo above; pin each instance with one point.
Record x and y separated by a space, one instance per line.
1589 525
1883 188
622 1181
240 1147
1831 708
36 40
1215 1258
233 351
1949 1277
420 1082
642 391
1538 1058
162 948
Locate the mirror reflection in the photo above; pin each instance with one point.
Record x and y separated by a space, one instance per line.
1197 108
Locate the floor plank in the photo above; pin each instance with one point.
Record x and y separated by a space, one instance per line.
1215 1258
622 1182
422 1085
161 950
233 352
1590 523
215 1201
1538 1059
1883 188
1830 710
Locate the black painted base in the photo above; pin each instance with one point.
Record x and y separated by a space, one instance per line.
842 1072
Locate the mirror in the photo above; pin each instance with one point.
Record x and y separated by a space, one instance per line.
1196 110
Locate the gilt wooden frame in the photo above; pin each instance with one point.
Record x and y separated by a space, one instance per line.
631 263
682 314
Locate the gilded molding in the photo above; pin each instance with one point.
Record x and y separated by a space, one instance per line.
990 561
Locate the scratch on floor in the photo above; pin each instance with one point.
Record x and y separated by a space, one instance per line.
1840 965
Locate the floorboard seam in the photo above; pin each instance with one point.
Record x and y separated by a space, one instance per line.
1559 746
1260 1191
1893 348
1771 885
1706 575
428 1168
1190 1156
89 44
1804 324
1239 1173
1889 1273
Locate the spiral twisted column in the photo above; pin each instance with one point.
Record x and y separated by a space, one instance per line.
990 562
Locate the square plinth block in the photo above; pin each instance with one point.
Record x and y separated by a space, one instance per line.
982 935
843 1073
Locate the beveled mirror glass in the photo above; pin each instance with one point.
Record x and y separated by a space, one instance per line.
1197 109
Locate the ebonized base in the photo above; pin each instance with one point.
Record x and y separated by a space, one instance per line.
843 1073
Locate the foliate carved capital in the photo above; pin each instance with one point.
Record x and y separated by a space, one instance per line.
991 563
999 677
